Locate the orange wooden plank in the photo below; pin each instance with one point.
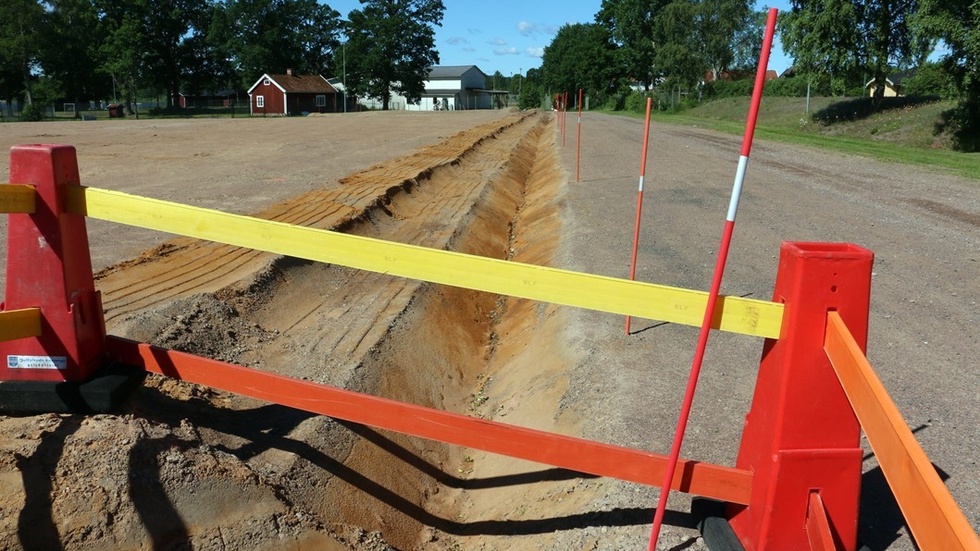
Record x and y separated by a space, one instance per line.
20 324
818 525
724 483
933 516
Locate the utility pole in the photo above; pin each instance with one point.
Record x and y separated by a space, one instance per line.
345 76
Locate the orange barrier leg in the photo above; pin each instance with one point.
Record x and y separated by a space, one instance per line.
49 268
801 438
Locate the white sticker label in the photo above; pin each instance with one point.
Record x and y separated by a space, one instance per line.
37 362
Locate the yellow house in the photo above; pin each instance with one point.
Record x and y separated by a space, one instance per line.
892 84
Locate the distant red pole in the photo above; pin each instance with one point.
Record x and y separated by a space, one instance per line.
709 312
578 153
639 199
564 117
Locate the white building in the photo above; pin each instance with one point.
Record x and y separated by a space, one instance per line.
455 87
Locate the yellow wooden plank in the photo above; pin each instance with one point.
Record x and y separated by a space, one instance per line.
606 294
17 198
932 514
20 324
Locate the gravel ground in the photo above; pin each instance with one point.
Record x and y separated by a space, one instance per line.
922 226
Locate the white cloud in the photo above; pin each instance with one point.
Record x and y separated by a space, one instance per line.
497 42
534 52
469 49
510 50
526 28
456 40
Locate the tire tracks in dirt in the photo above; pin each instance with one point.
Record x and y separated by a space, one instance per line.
185 266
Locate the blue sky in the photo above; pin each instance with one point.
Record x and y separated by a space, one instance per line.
510 35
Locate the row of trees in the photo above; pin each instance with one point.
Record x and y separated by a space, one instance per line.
646 43
85 50
838 43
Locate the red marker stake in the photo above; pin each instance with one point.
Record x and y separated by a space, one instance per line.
639 199
564 103
760 80
578 153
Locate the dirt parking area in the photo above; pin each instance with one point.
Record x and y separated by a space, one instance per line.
187 467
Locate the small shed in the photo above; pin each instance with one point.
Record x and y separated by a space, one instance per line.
293 94
892 83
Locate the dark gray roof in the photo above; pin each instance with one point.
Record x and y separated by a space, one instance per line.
450 71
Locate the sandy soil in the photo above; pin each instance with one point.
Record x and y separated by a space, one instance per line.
186 466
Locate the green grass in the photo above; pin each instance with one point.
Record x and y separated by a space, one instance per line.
901 135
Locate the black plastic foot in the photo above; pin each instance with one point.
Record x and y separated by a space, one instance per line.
717 533
103 392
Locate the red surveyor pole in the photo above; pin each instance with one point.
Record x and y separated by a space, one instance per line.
639 199
564 117
709 312
578 152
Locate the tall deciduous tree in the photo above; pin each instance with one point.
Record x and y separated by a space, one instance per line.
723 27
172 31
957 23
630 22
71 49
582 56
21 23
270 36
123 55
850 39
678 55
391 46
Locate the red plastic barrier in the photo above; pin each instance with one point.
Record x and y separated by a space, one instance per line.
801 435
48 266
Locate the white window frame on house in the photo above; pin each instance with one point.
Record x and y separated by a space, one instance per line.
266 82
260 101
321 100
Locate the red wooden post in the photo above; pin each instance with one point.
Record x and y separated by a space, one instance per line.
48 266
801 436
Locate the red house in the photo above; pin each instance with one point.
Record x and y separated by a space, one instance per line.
293 94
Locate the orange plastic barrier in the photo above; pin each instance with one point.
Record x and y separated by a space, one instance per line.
933 516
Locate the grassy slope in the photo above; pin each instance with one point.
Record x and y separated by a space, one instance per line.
904 135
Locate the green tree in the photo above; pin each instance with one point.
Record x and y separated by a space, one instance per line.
582 56
957 23
122 54
172 31
630 22
391 46
726 31
21 23
851 39
531 90
74 23
679 56
252 37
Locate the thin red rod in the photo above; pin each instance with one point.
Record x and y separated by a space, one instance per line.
564 117
578 153
639 200
709 312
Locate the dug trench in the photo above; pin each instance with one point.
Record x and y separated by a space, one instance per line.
189 466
